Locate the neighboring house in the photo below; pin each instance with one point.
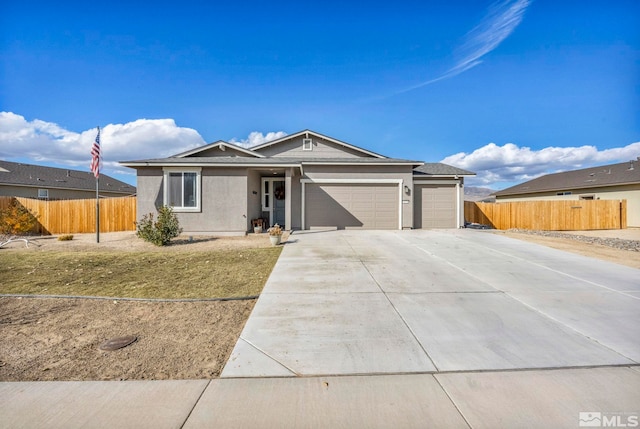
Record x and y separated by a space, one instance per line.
35 181
302 181
607 182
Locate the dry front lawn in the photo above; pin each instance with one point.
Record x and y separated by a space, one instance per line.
60 338
146 274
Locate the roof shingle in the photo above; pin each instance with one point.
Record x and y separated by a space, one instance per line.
18 174
593 177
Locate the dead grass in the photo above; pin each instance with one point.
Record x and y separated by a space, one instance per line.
139 274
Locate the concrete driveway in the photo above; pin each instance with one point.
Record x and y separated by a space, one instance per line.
381 302
439 329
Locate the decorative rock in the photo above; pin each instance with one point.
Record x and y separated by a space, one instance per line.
616 243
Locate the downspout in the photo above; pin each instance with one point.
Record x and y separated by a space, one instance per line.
302 185
457 202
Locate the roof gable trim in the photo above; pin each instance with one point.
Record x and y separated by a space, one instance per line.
222 145
306 133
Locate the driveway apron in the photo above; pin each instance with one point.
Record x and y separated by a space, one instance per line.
431 301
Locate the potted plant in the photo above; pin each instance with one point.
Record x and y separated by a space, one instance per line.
275 234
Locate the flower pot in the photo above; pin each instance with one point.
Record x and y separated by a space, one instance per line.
275 239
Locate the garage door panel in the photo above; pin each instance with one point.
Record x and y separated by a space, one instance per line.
347 206
435 206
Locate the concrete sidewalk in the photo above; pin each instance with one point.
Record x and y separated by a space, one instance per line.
396 329
512 399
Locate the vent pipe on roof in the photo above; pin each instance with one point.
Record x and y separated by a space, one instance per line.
631 165
68 173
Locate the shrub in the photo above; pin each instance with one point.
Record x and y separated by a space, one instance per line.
16 219
66 237
161 231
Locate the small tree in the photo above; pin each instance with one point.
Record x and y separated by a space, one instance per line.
161 231
16 219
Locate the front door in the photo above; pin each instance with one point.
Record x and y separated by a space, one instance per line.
273 200
278 203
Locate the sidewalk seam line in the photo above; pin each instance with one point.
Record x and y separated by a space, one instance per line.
404 322
452 401
268 356
195 404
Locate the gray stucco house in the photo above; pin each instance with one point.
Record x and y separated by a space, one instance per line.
302 181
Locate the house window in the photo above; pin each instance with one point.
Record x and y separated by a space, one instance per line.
182 190
266 194
564 193
43 193
587 197
307 144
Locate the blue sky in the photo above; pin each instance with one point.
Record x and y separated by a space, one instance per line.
510 89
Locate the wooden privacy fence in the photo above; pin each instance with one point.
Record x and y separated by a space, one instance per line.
566 215
79 216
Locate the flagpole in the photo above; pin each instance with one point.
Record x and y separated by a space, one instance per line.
97 210
95 167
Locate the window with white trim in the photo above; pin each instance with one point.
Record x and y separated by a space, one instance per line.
43 193
182 189
307 144
266 194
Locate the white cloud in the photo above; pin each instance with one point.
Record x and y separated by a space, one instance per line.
42 141
255 138
511 164
501 20
39 141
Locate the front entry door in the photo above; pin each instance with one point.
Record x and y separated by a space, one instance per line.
278 203
273 200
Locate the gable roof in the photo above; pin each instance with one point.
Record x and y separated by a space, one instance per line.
38 176
322 136
222 145
438 169
624 173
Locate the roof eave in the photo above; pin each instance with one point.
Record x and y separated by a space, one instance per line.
204 164
373 162
443 175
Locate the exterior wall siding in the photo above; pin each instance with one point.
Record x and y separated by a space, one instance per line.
224 197
149 187
296 200
321 149
254 203
54 194
631 193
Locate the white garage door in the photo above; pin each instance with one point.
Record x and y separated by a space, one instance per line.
348 206
435 206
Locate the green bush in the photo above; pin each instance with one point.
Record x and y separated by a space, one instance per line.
161 231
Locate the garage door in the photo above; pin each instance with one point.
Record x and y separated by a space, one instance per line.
435 206
348 206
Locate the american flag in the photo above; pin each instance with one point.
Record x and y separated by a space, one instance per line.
95 156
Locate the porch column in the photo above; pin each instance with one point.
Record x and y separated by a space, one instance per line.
287 201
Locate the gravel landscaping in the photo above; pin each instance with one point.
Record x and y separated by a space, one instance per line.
616 243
